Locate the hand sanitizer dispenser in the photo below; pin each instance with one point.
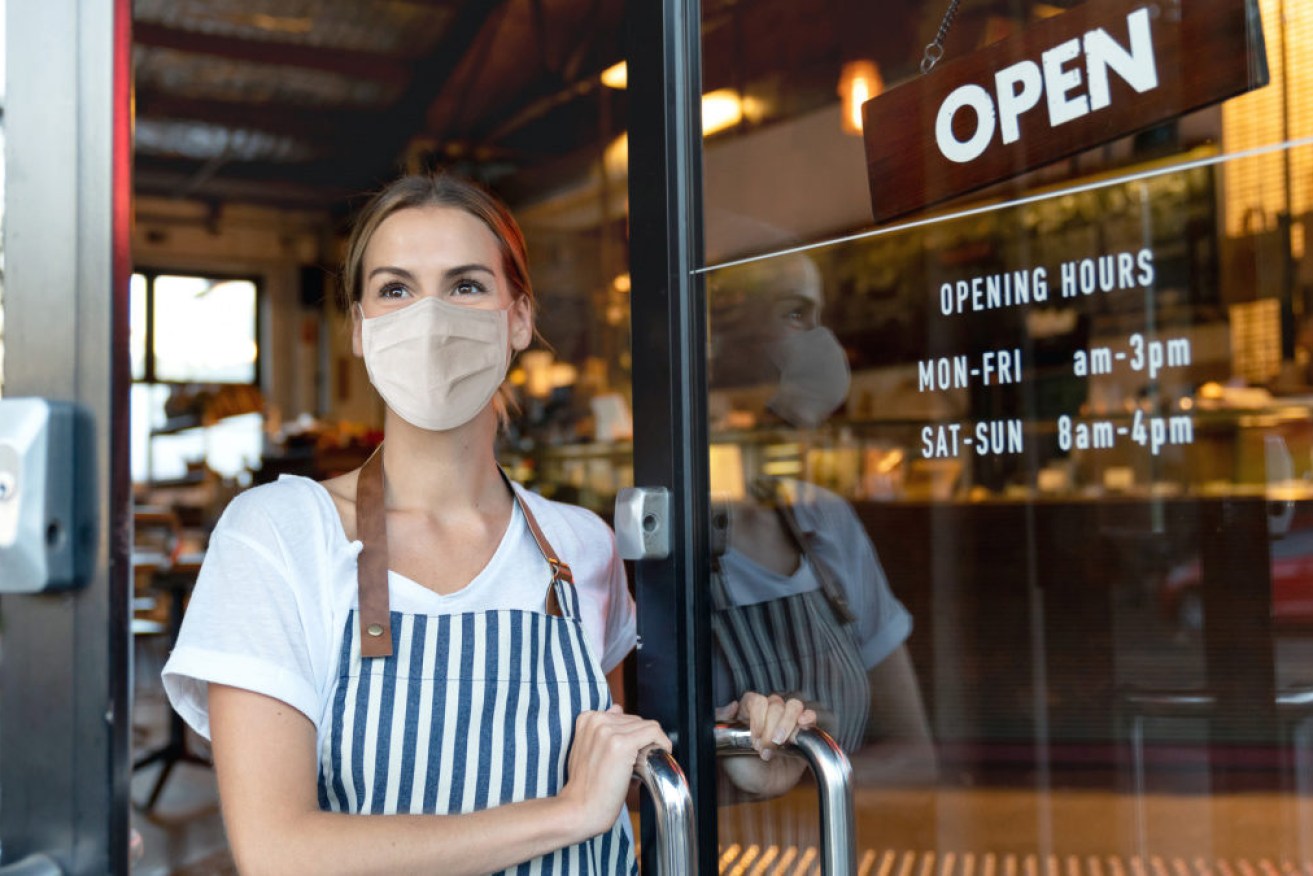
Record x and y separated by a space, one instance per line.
47 496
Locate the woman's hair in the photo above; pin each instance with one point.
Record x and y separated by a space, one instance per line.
436 190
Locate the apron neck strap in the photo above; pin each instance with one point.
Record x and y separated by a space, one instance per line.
372 566
768 490
561 574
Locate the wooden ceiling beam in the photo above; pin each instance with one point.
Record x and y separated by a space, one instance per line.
363 65
292 120
278 186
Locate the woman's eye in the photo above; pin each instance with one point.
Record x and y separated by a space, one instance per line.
392 290
468 287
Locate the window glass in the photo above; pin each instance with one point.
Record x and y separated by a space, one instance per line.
195 410
204 330
1016 492
137 326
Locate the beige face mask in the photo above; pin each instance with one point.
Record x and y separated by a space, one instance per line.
437 364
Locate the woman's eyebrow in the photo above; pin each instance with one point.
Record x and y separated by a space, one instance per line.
466 269
388 269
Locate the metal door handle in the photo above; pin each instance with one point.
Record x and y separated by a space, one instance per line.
32 865
676 836
833 780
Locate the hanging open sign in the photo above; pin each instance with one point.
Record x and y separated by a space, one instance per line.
1102 70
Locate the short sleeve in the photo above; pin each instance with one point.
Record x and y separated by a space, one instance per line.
621 632
883 623
244 625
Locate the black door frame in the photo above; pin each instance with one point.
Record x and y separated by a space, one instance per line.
668 329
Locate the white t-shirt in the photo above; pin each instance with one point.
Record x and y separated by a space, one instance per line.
279 580
843 547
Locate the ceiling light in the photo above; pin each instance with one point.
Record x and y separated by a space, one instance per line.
616 76
721 109
859 81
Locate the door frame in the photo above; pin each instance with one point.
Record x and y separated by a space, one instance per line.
65 676
668 319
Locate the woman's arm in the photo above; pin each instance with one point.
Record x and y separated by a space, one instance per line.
900 749
264 755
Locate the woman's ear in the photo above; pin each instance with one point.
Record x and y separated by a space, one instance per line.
521 323
357 339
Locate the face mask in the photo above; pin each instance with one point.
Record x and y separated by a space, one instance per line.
814 377
436 364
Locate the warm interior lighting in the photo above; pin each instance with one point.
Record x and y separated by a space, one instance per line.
616 76
621 283
537 365
615 157
562 374
726 472
721 109
1260 188
859 81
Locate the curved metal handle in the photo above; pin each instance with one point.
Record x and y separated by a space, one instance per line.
676 836
32 865
833 779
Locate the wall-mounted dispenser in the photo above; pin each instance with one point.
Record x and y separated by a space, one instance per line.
47 495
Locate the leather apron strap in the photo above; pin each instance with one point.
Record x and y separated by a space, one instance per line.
561 574
372 565
768 490
375 611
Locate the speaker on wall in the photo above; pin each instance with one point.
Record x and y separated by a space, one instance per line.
314 281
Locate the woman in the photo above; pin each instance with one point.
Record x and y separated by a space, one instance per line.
404 642
801 603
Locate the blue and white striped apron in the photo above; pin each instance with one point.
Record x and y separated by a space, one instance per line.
802 645
457 713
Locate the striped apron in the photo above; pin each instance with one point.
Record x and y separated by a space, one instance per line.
802 645
457 713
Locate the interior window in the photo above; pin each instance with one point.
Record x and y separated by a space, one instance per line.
195 358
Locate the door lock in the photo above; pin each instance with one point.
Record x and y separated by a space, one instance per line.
642 523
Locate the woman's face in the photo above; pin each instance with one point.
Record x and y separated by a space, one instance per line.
754 308
439 252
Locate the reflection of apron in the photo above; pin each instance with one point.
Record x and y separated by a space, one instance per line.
466 711
801 645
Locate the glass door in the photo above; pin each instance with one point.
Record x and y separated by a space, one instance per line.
1013 487
64 658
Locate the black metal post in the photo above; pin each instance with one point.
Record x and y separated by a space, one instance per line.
669 343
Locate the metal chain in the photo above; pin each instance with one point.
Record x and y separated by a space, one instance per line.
934 49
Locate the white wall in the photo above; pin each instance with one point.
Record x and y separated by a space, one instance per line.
273 245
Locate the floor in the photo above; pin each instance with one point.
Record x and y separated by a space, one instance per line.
183 833
1025 827
961 831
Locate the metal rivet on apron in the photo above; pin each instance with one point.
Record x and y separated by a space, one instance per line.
375 629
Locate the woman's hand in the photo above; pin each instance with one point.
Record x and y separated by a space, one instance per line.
772 721
602 758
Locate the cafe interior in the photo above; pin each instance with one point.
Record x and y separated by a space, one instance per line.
1113 638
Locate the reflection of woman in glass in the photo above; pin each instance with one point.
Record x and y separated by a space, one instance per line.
802 605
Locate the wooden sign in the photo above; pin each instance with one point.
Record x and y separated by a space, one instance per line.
1102 70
